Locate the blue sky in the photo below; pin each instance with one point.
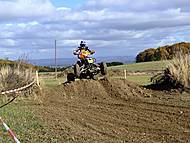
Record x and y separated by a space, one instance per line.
67 3
110 27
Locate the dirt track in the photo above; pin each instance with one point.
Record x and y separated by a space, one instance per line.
113 110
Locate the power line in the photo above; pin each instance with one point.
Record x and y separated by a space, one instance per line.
55 59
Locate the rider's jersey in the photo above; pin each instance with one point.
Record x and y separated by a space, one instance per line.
84 54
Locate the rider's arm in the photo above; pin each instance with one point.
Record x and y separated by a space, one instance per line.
91 51
76 52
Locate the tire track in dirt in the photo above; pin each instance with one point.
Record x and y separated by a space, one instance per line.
113 110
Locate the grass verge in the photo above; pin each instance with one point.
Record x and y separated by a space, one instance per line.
140 79
21 117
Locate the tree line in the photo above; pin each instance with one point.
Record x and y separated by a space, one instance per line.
163 53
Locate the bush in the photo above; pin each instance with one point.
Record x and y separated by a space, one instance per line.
16 76
177 74
163 53
114 64
49 69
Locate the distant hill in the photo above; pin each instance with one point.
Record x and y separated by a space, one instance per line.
163 53
64 62
4 62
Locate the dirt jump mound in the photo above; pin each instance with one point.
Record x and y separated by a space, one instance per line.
114 110
106 87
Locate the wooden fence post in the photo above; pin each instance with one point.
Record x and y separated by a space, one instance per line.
37 79
125 74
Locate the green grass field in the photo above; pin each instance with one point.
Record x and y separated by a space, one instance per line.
20 117
140 79
141 67
145 66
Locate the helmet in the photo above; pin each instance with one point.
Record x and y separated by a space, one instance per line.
82 44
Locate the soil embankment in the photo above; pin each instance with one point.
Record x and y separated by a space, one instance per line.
114 110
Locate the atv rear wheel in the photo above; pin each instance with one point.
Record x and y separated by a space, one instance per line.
70 77
95 77
77 70
103 68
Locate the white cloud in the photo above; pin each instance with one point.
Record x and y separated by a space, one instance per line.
63 9
33 23
8 53
22 25
9 24
5 34
43 50
109 26
8 42
25 9
138 5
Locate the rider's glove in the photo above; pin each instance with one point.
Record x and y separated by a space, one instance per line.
92 52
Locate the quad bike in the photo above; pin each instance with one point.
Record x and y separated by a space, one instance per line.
87 68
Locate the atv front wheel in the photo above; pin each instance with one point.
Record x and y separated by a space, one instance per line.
70 77
103 68
77 70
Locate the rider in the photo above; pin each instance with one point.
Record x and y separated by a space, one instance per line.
83 51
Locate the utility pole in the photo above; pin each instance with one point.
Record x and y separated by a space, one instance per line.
55 59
